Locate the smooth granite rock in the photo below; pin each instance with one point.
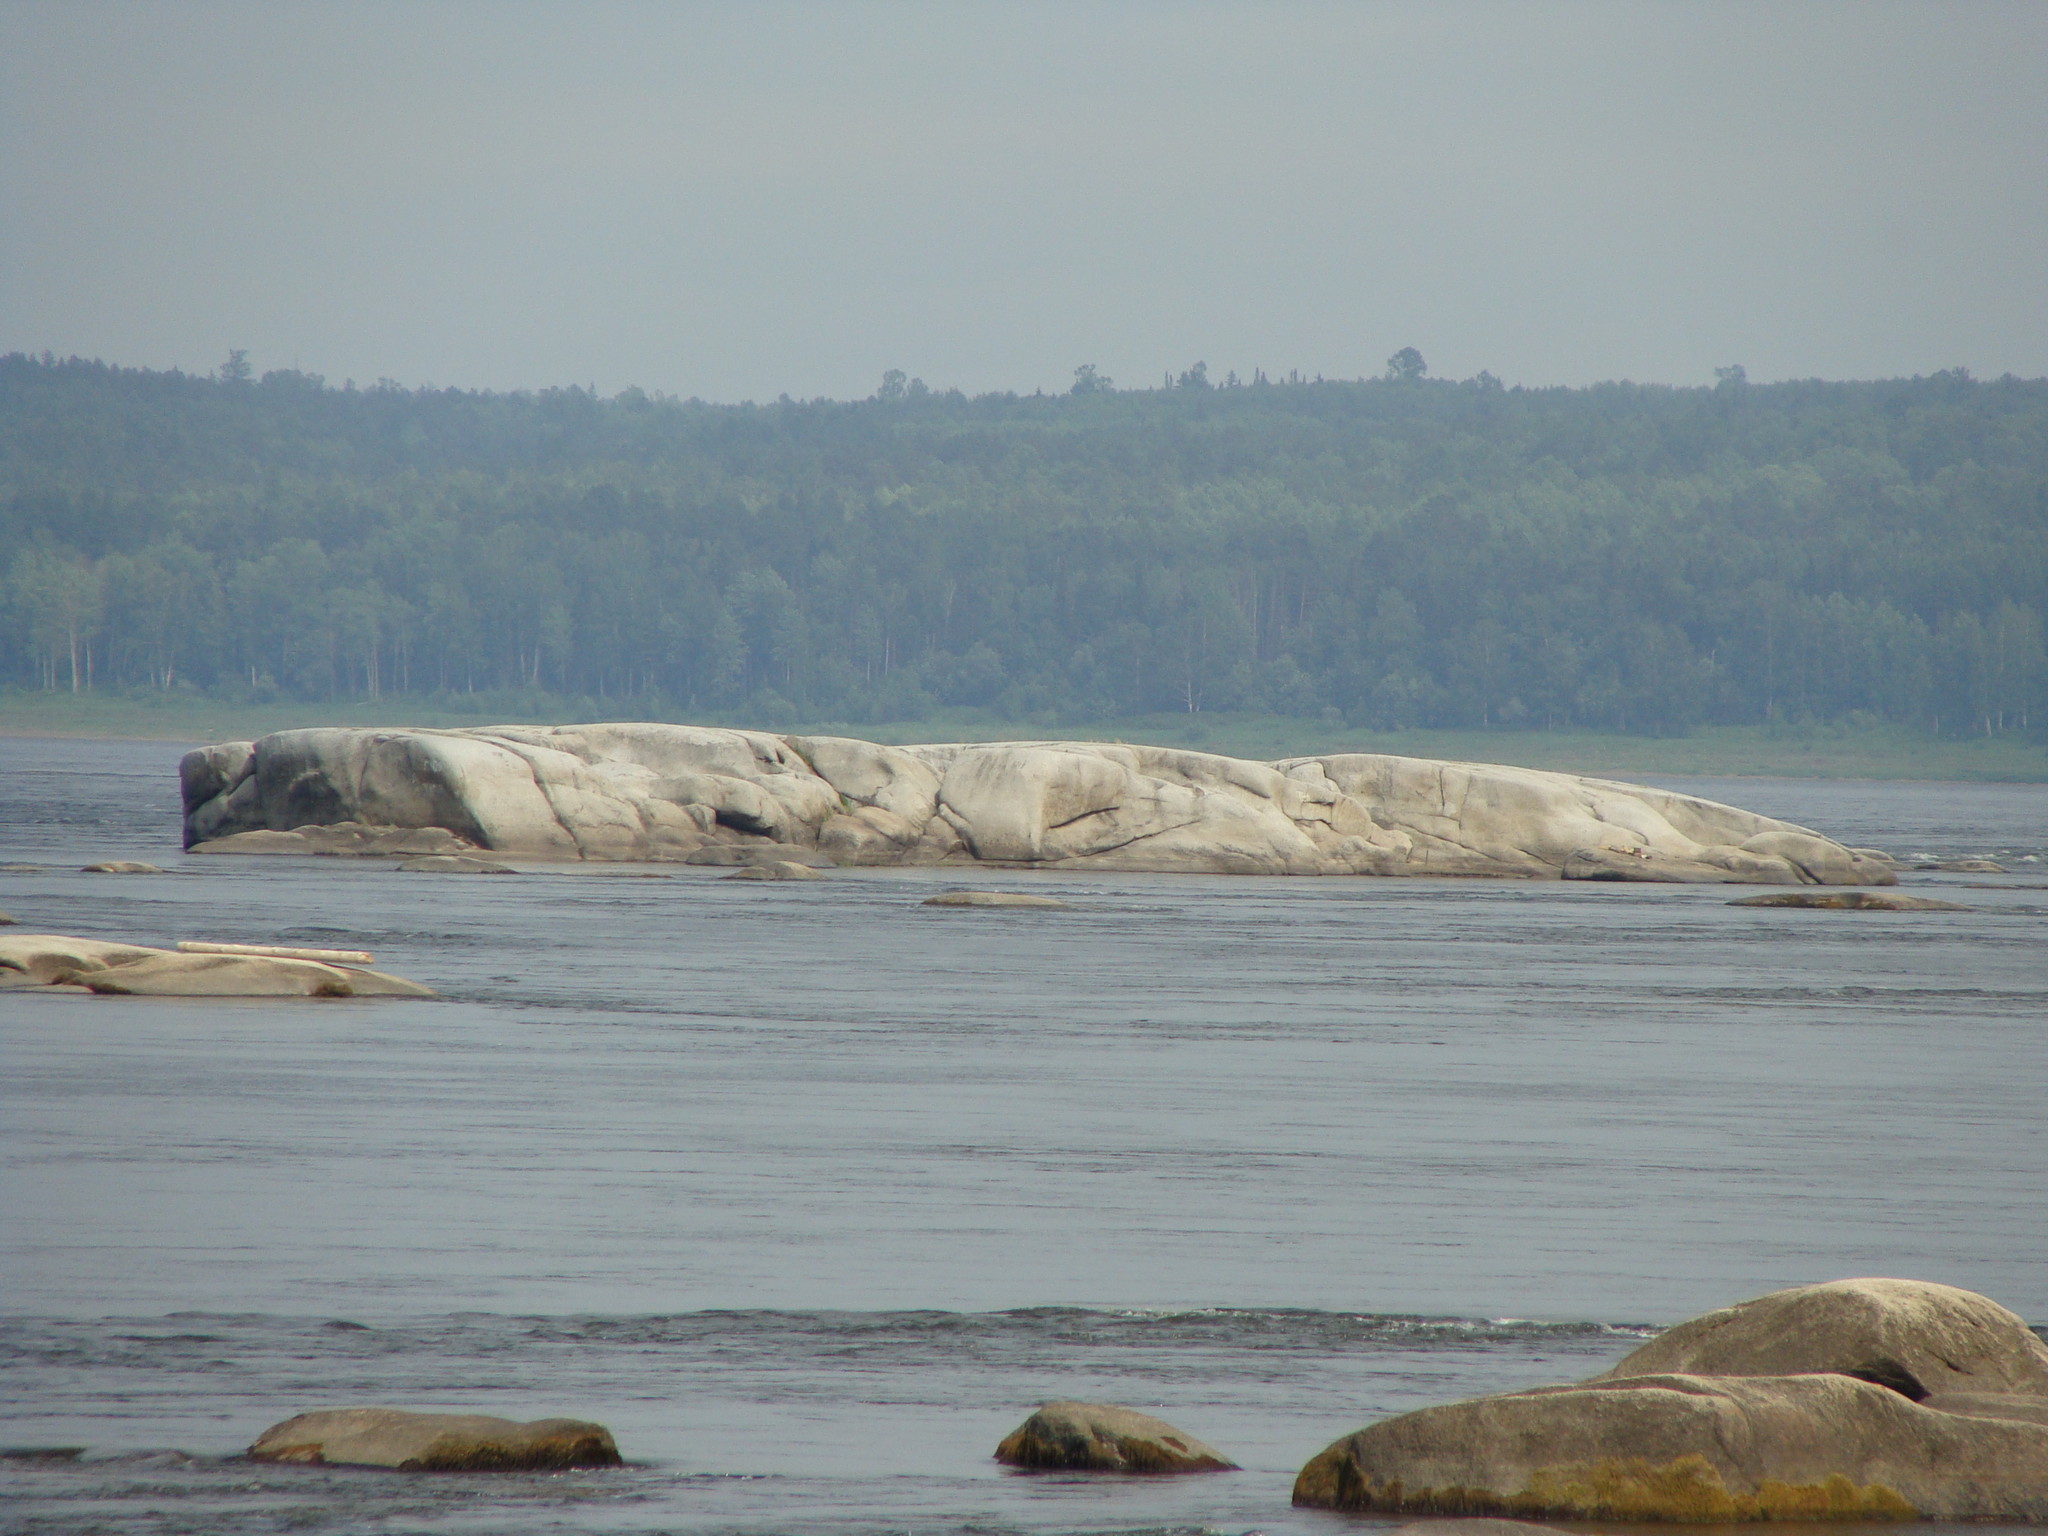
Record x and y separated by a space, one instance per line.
652 792
1105 1437
1868 1399
1914 1336
1693 1449
132 970
435 1442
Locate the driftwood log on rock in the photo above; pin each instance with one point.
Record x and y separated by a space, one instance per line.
1855 1400
641 791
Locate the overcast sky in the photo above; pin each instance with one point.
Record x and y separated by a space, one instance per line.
745 199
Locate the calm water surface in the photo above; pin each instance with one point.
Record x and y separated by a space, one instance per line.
810 1192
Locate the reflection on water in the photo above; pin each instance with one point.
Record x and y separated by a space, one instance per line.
677 1154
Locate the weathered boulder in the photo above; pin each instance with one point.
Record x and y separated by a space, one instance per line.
646 791
1105 1437
1913 1336
1690 1448
1849 901
121 867
435 1442
775 869
132 970
1857 1399
990 899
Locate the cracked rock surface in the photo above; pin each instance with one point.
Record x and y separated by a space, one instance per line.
691 793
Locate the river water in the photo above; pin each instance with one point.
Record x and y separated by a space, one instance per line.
810 1193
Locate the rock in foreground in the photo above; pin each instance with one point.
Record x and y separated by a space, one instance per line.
436 1442
1104 1437
133 970
1912 1336
644 791
1856 1400
1690 1448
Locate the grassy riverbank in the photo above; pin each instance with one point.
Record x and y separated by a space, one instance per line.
1850 752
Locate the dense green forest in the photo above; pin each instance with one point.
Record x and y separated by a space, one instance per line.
1389 552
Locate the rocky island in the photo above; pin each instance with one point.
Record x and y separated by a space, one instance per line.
667 792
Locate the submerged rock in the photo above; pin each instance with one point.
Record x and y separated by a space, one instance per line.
990 899
436 1442
1850 901
131 970
455 864
775 869
1105 1437
1855 1400
8 920
1965 867
646 791
121 867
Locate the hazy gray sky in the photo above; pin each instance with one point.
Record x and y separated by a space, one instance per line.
737 200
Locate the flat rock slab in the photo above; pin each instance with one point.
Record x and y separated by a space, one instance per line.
779 869
1105 1437
435 1442
1850 901
121 867
455 864
1965 867
133 970
990 899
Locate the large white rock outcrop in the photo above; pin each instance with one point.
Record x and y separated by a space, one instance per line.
645 791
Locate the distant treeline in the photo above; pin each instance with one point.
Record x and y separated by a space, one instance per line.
1391 552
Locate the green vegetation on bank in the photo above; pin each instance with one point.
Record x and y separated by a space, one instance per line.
1384 558
1813 751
